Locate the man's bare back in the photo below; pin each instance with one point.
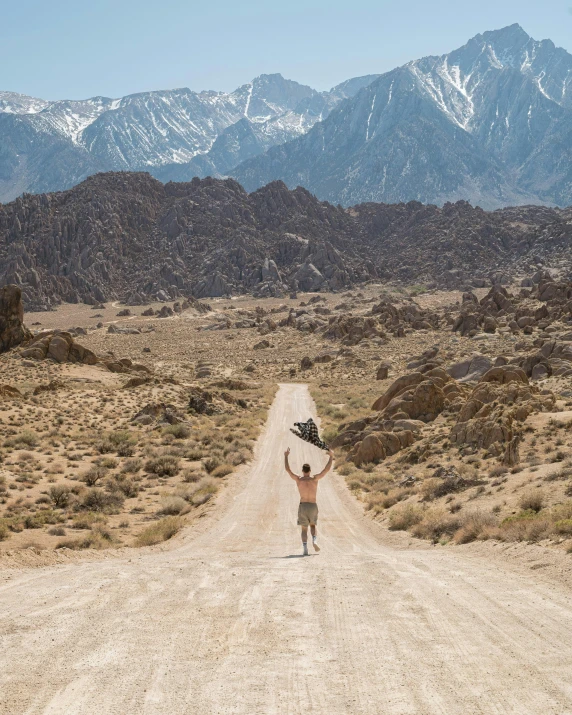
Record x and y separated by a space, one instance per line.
308 488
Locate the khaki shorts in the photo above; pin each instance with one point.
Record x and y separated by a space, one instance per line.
307 513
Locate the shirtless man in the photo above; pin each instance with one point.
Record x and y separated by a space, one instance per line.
308 488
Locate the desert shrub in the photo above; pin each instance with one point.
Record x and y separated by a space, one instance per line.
163 466
379 501
98 538
564 473
107 462
211 463
103 447
26 438
236 458
435 524
172 505
120 441
203 491
222 470
403 518
87 520
160 531
563 527
193 454
329 434
430 488
191 476
4 532
60 495
127 487
475 525
498 471
532 500
132 466
526 526
94 475
97 499
180 431
57 531
346 469
127 449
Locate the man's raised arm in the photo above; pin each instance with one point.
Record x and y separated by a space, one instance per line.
328 466
287 465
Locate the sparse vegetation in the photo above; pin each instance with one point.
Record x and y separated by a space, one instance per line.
160 531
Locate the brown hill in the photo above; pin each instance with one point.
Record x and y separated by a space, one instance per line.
126 236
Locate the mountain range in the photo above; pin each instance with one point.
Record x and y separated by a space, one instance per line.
51 146
490 122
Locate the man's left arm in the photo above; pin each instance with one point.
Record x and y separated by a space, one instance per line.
328 466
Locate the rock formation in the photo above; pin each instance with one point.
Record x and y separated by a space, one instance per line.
13 332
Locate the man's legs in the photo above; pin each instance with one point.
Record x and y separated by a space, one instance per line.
305 539
314 537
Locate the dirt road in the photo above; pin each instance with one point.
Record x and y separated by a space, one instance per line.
233 621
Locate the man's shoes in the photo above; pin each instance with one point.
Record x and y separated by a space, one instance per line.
305 552
316 547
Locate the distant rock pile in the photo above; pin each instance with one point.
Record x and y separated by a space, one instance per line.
128 237
60 346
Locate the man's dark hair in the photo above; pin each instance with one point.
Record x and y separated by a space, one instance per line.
306 468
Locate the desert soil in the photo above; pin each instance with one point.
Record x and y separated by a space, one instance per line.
227 618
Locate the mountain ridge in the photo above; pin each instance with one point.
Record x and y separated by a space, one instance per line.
162 128
129 237
500 120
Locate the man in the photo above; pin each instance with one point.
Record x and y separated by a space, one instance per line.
308 488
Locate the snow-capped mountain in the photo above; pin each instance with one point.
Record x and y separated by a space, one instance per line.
490 122
47 146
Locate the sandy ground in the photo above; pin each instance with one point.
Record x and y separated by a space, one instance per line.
232 620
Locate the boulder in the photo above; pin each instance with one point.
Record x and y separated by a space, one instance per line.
402 383
471 369
425 402
306 363
504 374
59 346
370 450
383 371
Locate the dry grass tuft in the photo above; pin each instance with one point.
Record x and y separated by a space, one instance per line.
159 531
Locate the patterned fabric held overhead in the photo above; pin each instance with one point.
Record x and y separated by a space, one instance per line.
308 431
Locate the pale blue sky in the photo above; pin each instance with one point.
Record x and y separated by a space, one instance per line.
75 49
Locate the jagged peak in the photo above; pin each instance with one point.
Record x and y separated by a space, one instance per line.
512 33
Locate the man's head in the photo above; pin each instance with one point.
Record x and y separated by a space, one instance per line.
306 470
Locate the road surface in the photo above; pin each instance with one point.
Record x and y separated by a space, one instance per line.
232 620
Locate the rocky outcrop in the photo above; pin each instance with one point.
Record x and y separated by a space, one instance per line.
491 416
128 237
470 370
59 346
13 332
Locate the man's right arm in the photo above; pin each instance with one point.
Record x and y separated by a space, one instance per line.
287 465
